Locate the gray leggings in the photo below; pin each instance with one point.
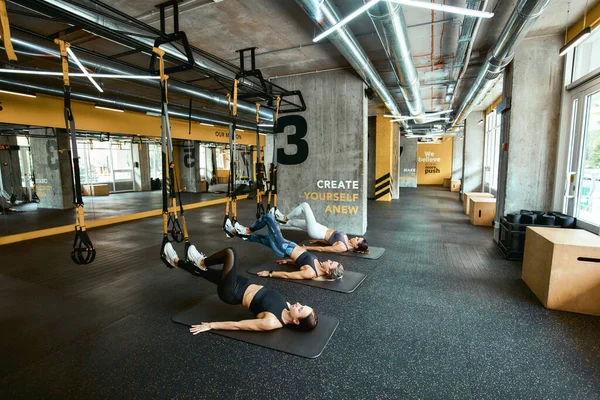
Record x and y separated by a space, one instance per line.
309 223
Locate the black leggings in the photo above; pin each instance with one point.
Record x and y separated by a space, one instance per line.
231 288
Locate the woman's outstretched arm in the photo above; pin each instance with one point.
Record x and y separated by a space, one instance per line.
338 247
303 274
259 324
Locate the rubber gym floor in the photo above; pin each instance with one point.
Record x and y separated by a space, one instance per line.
440 315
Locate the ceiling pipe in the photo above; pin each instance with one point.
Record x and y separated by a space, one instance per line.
137 106
520 21
325 15
389 23
140 37
33 43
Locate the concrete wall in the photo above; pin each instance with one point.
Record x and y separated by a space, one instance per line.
534 125
472 176
408 163
336 136
457 156
141 170
54 181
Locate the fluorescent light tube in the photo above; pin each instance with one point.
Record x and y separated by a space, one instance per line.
77 74
18 94
344 21
576 41
83 70
108 109
153 114
444 8
205 124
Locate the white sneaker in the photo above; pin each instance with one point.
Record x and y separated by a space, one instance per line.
170 254
196 257
241 230
278 215
229 229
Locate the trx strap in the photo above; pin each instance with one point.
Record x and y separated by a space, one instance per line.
83 250
272 188
34 196
232 191
171 221
5 25
259 171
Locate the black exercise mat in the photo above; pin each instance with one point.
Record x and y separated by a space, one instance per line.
373 254
304 344
347 284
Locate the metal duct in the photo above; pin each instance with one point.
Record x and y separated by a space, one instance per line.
117 103
29 42
391 29
141 37
324 14
519 23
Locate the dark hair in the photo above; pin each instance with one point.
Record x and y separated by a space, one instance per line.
362 246
336 273
308 323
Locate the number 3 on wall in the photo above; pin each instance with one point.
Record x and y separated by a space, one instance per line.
301 154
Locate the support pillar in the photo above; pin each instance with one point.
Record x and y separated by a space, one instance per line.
472 175
457 156
383 158
52 169
408 163
189 173
141 167
322 152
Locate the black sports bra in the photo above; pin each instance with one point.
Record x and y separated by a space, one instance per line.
307 258
270 301
337 236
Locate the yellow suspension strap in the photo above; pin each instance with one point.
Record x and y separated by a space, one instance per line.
5 32
259 170
171 221
232 191
273 166
83 250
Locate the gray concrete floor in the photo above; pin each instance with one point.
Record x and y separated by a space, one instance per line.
440 315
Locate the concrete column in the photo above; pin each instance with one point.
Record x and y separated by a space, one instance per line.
52 168
395 178
534 125
141 167
188 166
408 163
472 176
10 169
371 157
322 152
383 158
457 156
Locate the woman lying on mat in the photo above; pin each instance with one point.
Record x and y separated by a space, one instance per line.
310 266
271 310
331 241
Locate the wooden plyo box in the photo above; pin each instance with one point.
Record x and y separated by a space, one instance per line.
95 190
562 267
454 186
482 210
467 196
447 182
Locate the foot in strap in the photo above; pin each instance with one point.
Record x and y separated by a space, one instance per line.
196 257
278 215
169 254
241 231
229 229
